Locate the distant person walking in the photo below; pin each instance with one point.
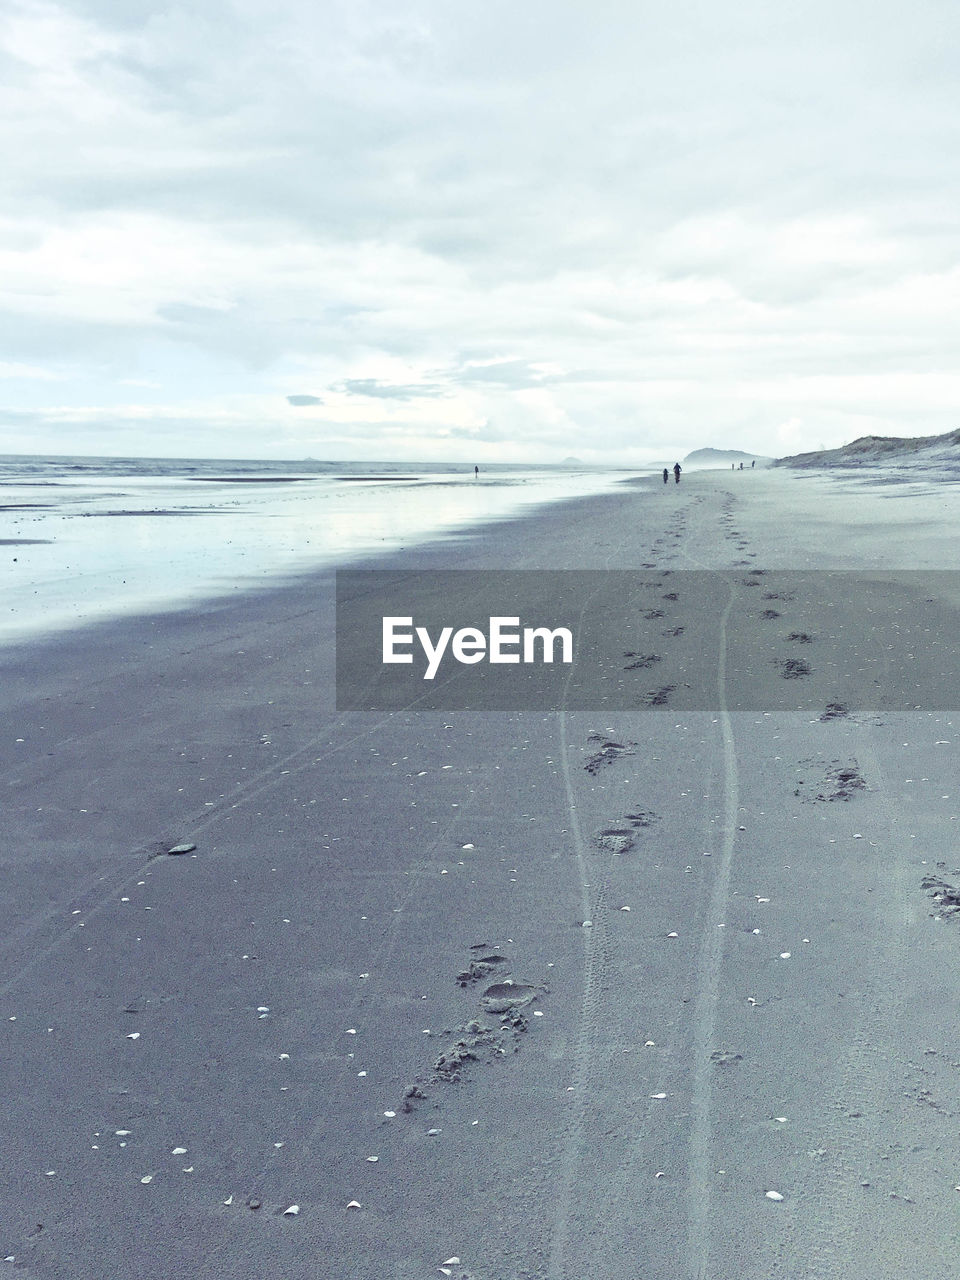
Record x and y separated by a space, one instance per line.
676 472
741 466
753 463
476 473
666 475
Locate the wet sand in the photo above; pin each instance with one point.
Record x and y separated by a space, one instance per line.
729 934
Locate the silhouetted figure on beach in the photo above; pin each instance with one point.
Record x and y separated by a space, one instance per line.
676 472
741 466
476 473
666 475
753 463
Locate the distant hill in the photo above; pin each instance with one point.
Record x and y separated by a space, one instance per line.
719 457
917 451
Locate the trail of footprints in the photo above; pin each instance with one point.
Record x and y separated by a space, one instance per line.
732 535
823 781
637 661
667 542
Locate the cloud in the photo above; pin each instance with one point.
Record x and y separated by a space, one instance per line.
573 230
378 390
503 373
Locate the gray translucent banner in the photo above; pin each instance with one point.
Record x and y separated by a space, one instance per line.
830 643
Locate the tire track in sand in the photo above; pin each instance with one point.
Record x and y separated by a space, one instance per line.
700 1141
596 960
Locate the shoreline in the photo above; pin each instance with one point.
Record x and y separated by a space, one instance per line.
761 1001
92 569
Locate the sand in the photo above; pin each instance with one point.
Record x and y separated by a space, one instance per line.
729 933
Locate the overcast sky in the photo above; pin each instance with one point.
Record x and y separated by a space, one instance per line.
516 229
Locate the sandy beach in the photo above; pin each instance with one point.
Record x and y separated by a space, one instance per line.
650 990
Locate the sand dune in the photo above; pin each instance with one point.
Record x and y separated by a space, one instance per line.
915 453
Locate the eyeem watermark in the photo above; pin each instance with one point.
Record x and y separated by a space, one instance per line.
503 642
832 644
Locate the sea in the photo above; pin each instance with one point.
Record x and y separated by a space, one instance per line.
84 539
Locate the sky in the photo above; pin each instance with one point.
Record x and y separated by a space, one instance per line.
521 230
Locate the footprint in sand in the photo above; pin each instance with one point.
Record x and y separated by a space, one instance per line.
493 1033
945 895
835 711
641 661
620 837
501 997
659 697
607 752
837 780
793 668
615 839
482 967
